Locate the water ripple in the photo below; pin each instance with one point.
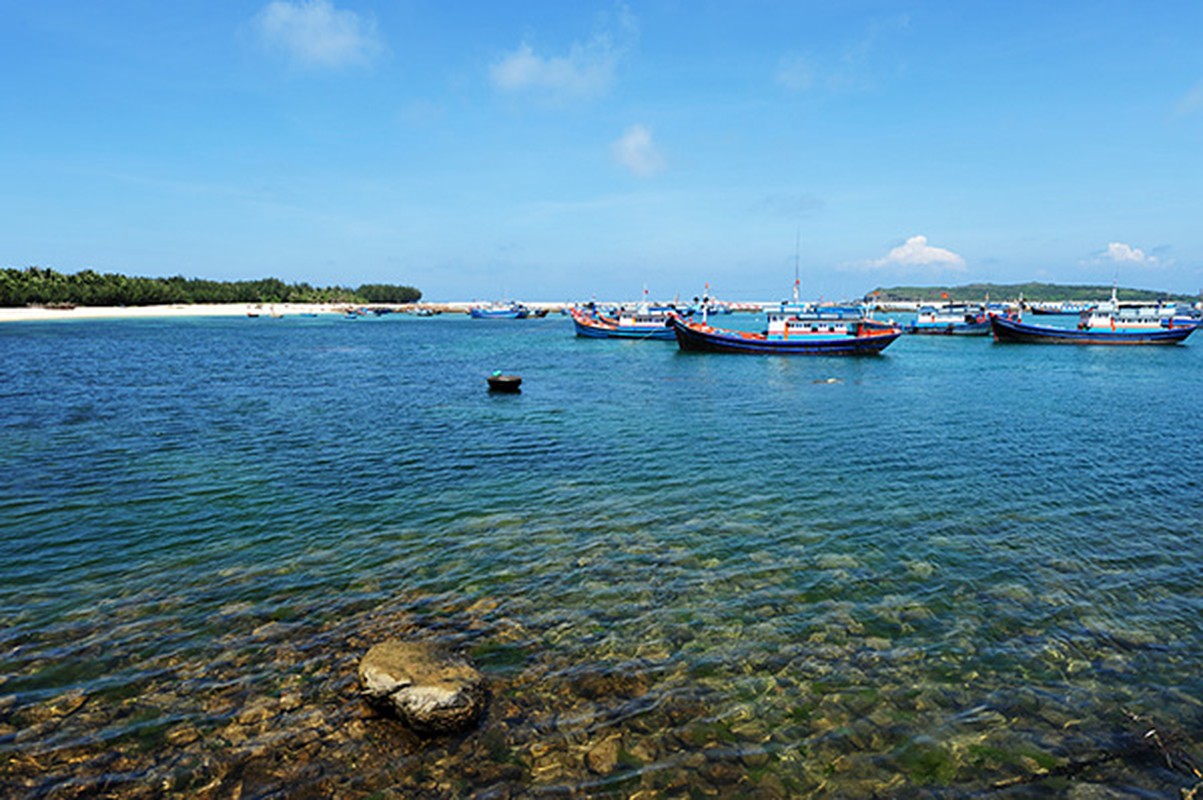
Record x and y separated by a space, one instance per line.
877 576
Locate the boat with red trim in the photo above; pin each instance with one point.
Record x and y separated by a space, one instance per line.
642 322
953 319
498 311
1109 323
812 333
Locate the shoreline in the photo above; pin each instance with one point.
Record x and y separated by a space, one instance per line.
44 314
47 314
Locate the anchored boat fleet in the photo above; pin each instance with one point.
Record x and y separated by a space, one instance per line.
827 329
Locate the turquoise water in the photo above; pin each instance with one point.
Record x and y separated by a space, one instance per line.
955 569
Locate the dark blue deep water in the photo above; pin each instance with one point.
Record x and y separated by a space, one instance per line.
957 569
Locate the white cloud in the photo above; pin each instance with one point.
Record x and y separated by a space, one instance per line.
587 70
1118 251
315 33
636 151
580 74
1121 253
916 252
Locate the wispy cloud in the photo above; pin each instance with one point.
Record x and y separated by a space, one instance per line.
851 68
316 34
636 151
588 69
795 73
1191 102
916 252
790 206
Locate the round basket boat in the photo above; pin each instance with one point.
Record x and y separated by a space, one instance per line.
505 383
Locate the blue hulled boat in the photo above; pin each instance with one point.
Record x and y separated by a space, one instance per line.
639 323
1108 323
951 320
791 334
498 311
1113 332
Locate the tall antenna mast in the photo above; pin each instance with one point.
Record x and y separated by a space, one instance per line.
797 249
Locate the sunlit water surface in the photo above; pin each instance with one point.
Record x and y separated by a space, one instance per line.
956 569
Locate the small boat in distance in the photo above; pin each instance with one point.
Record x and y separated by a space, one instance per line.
792 334
1108 323
952 319
498 311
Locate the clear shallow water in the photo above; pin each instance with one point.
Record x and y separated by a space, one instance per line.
941 571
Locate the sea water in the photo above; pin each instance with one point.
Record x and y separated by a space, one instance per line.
956 568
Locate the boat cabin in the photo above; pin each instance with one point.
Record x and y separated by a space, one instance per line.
1119 315
643 316
949 314
816 323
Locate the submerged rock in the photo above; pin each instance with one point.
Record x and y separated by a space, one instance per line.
429 689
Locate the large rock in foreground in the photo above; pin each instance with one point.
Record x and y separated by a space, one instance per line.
428 688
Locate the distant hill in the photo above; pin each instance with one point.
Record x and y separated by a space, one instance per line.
1036 292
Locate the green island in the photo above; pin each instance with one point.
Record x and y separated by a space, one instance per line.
47 287
1032 291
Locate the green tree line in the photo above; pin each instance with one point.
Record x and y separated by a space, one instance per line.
46 287
1034 292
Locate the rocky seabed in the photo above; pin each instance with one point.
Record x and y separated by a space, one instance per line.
278 712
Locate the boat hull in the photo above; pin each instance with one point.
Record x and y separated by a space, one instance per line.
595 329
702 339
485 313
1010 331
951 329
506 384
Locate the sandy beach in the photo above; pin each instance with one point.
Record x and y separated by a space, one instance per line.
42 314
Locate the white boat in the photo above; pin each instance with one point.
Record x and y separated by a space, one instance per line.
955 319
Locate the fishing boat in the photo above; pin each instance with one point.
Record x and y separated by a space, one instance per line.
1107 323
643 322
498 311
953 319
792 334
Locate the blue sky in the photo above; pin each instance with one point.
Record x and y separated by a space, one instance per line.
551 150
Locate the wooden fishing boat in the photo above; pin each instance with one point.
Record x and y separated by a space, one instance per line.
645 323
1111 322
1115 331
792 334
498 311
957 319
